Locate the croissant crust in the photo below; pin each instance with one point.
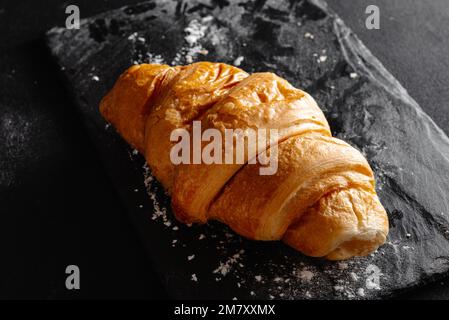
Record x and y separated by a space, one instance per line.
321 200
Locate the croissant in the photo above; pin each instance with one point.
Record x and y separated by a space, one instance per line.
321 200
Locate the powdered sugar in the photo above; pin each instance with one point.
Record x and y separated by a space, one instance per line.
306 275
159 212
195 31
225 267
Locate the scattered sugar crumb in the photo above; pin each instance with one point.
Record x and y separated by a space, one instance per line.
354 276
339 288
201 237
258 278
306 275
238 61
353 75
194 278
194 32
191 257
252 293
322 59
207 19
373 279
308 35
226 266
361 292
132 36
95 78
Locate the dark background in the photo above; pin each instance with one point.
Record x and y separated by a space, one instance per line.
57 206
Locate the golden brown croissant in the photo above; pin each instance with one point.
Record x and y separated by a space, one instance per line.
321 200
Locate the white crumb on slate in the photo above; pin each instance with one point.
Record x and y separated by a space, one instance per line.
133 36
224 267
159 212
238 61
322 59
191 257
95 78
16 131
258 278
194 277
372 281
308 35
361 292
343 265
306 275
353 75
155 58
201 237
195 31
339 288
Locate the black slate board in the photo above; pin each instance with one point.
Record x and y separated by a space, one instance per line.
364 104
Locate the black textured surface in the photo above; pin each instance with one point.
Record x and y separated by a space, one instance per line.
371 111
44 224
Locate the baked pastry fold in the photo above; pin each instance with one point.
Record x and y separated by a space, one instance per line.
321 200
